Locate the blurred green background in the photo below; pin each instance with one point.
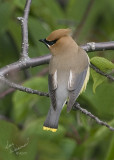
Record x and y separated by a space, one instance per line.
22 115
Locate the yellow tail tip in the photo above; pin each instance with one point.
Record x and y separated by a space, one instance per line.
49 129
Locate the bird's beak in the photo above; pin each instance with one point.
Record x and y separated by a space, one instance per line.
44 41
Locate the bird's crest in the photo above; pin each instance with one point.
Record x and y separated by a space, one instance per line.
58 34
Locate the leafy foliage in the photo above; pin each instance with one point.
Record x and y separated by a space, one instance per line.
78 137
104 65
27 103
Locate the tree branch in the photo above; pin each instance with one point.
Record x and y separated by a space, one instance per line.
25 63
22 88
102 73
102 46
77 106
24 24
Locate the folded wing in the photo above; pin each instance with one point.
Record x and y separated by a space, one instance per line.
52 83
75 84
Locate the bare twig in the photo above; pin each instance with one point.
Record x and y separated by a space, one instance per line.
22 88
77 106
24 24
102 46
102 73
82 22
10 90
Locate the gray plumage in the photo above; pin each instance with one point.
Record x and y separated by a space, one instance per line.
75 88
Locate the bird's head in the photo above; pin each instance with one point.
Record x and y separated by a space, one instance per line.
58 41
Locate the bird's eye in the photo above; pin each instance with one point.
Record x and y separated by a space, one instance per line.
50 43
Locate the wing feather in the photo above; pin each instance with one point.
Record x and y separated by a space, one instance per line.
52 83
75 84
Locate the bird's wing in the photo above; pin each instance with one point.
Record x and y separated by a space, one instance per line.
75 84
52 83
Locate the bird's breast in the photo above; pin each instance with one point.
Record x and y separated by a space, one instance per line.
63 63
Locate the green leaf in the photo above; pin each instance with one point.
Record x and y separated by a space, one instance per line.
110 153
52 11
98 138
92 19
47 13
101 103
5 15
97 78
6 136
38 30
74 7
8 133
7 48
47 142
99 135
20 4
24 103
84 121
15 31
12 139
68 146
104 65
36 127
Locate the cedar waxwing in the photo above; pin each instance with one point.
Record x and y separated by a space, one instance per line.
68 74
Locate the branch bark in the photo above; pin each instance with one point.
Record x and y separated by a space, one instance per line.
102 73
77 106
102 46
24 25
22 88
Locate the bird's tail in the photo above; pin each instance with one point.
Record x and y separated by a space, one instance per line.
51 122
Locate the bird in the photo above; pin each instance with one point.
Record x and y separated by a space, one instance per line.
68 74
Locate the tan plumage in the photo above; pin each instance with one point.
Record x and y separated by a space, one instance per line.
68 73
57 34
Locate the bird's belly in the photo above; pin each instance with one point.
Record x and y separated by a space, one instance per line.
62 79
62 89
